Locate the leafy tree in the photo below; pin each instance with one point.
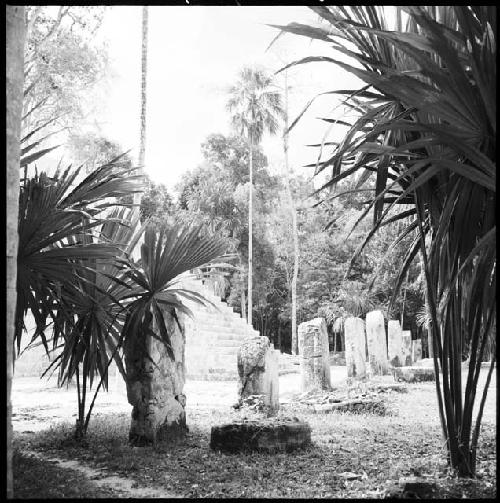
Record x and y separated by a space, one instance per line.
93 150
216 194
156 202
62 64
426 127
255 107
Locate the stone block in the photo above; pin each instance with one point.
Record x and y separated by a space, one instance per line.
406 346
425 362
262 436
355 347
258 371
377 344
395 343
315 355
416 350
414 374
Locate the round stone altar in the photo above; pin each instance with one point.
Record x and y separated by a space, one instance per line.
263 435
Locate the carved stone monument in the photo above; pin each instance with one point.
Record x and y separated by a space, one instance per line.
258 370
406 336
355 347
377 344
416 350
395 343
314 352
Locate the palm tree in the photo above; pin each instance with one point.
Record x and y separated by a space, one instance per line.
52 212
255 107
15 31
153 323
144 75
295 233
426 128
76 270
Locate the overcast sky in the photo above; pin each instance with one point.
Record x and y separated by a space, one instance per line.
194 55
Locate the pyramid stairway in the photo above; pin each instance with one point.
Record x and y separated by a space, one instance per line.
213 337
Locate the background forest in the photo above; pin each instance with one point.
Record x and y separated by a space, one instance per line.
66 71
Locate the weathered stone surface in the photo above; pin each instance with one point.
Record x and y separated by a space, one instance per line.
377 344
258 371
263 436
315 356
416 350
425 362
406 347
413 374
155 391
395 343
353 405
417 488
355 347
337 359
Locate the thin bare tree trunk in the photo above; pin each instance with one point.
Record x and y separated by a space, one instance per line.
250 240
15 33
144 74
295 345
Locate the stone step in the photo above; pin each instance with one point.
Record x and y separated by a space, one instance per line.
213 336
204 318
232 337
219 329
226 343
228 351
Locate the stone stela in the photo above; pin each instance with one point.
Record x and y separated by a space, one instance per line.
377 345
314 355
355 347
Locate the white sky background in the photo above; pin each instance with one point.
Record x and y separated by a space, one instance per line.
194 55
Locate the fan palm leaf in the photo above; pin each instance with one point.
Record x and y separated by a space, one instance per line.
52 212
165 255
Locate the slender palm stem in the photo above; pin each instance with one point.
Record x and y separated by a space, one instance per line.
250 230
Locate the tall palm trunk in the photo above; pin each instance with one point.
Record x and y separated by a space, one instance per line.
155 385
144 74
15 32
295 342
250 240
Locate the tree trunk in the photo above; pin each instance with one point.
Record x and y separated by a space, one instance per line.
15 32
144 74
155 391
242 292
295 344
250 240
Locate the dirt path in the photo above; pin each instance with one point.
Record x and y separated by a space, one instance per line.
125 488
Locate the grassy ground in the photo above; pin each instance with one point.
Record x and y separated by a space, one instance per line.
352 456
58 482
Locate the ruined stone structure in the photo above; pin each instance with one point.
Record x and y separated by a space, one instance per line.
258 371
416 350
314 355
212 341
377 344
395 343
213 337
355 347
406 338
271 436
